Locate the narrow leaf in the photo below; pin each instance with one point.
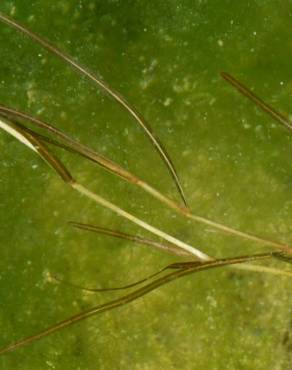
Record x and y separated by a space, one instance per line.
104 86
258 101
133 238
130 298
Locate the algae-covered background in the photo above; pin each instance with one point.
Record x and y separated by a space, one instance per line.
234 162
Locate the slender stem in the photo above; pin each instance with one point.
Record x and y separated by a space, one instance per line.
185 212
258 268
15 133
239 233
7 20
33 143
105 203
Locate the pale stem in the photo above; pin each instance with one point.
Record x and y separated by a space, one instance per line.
105 203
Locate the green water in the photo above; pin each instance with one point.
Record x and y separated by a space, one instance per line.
233 161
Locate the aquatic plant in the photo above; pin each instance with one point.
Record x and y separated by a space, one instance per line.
19 124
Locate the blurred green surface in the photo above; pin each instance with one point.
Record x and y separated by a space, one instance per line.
234 162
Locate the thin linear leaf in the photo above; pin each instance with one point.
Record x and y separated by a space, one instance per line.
185 212
83 150
256 268
70 143
178 265
110 91
130 298
33 143
258 101
133 238
105 203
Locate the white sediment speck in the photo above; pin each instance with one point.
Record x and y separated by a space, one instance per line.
13 11
145 83
31 18
212 301
167 102
50 364
63 115
212 101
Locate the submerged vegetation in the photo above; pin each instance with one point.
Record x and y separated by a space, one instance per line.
42 137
